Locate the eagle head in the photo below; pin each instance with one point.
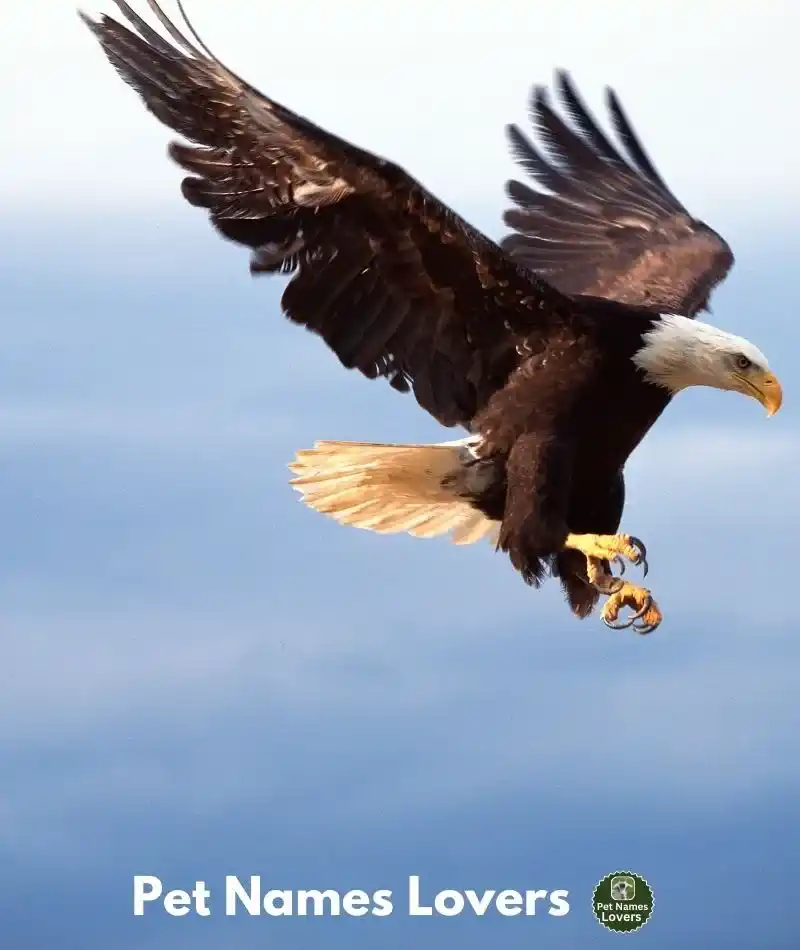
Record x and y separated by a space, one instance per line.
677 352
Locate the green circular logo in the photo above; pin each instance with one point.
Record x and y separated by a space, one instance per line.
623 902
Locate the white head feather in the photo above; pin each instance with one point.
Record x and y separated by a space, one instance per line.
679 352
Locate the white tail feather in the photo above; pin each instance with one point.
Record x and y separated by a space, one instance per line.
392 488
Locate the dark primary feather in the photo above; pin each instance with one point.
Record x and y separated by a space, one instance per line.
609 226
394 282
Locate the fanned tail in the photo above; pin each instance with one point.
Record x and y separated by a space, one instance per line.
420 490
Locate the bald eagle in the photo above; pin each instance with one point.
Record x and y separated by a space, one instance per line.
586 308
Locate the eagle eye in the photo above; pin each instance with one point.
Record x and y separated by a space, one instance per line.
743 362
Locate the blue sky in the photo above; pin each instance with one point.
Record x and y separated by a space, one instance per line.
202 677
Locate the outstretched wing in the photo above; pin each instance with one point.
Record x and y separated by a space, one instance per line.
609 226
396 284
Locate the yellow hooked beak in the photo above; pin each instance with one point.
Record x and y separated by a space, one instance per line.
765 388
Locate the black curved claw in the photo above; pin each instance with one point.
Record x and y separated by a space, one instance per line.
642 552
645 628
620 562
631 621
617 626
643 610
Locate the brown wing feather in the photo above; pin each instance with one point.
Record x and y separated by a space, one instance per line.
393 281
609 227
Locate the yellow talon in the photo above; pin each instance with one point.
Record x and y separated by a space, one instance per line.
600 578
640 600
609 547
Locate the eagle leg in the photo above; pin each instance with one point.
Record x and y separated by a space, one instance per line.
609 547
637 598
600 577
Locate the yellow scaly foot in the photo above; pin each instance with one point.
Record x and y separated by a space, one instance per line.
647 615
609 547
